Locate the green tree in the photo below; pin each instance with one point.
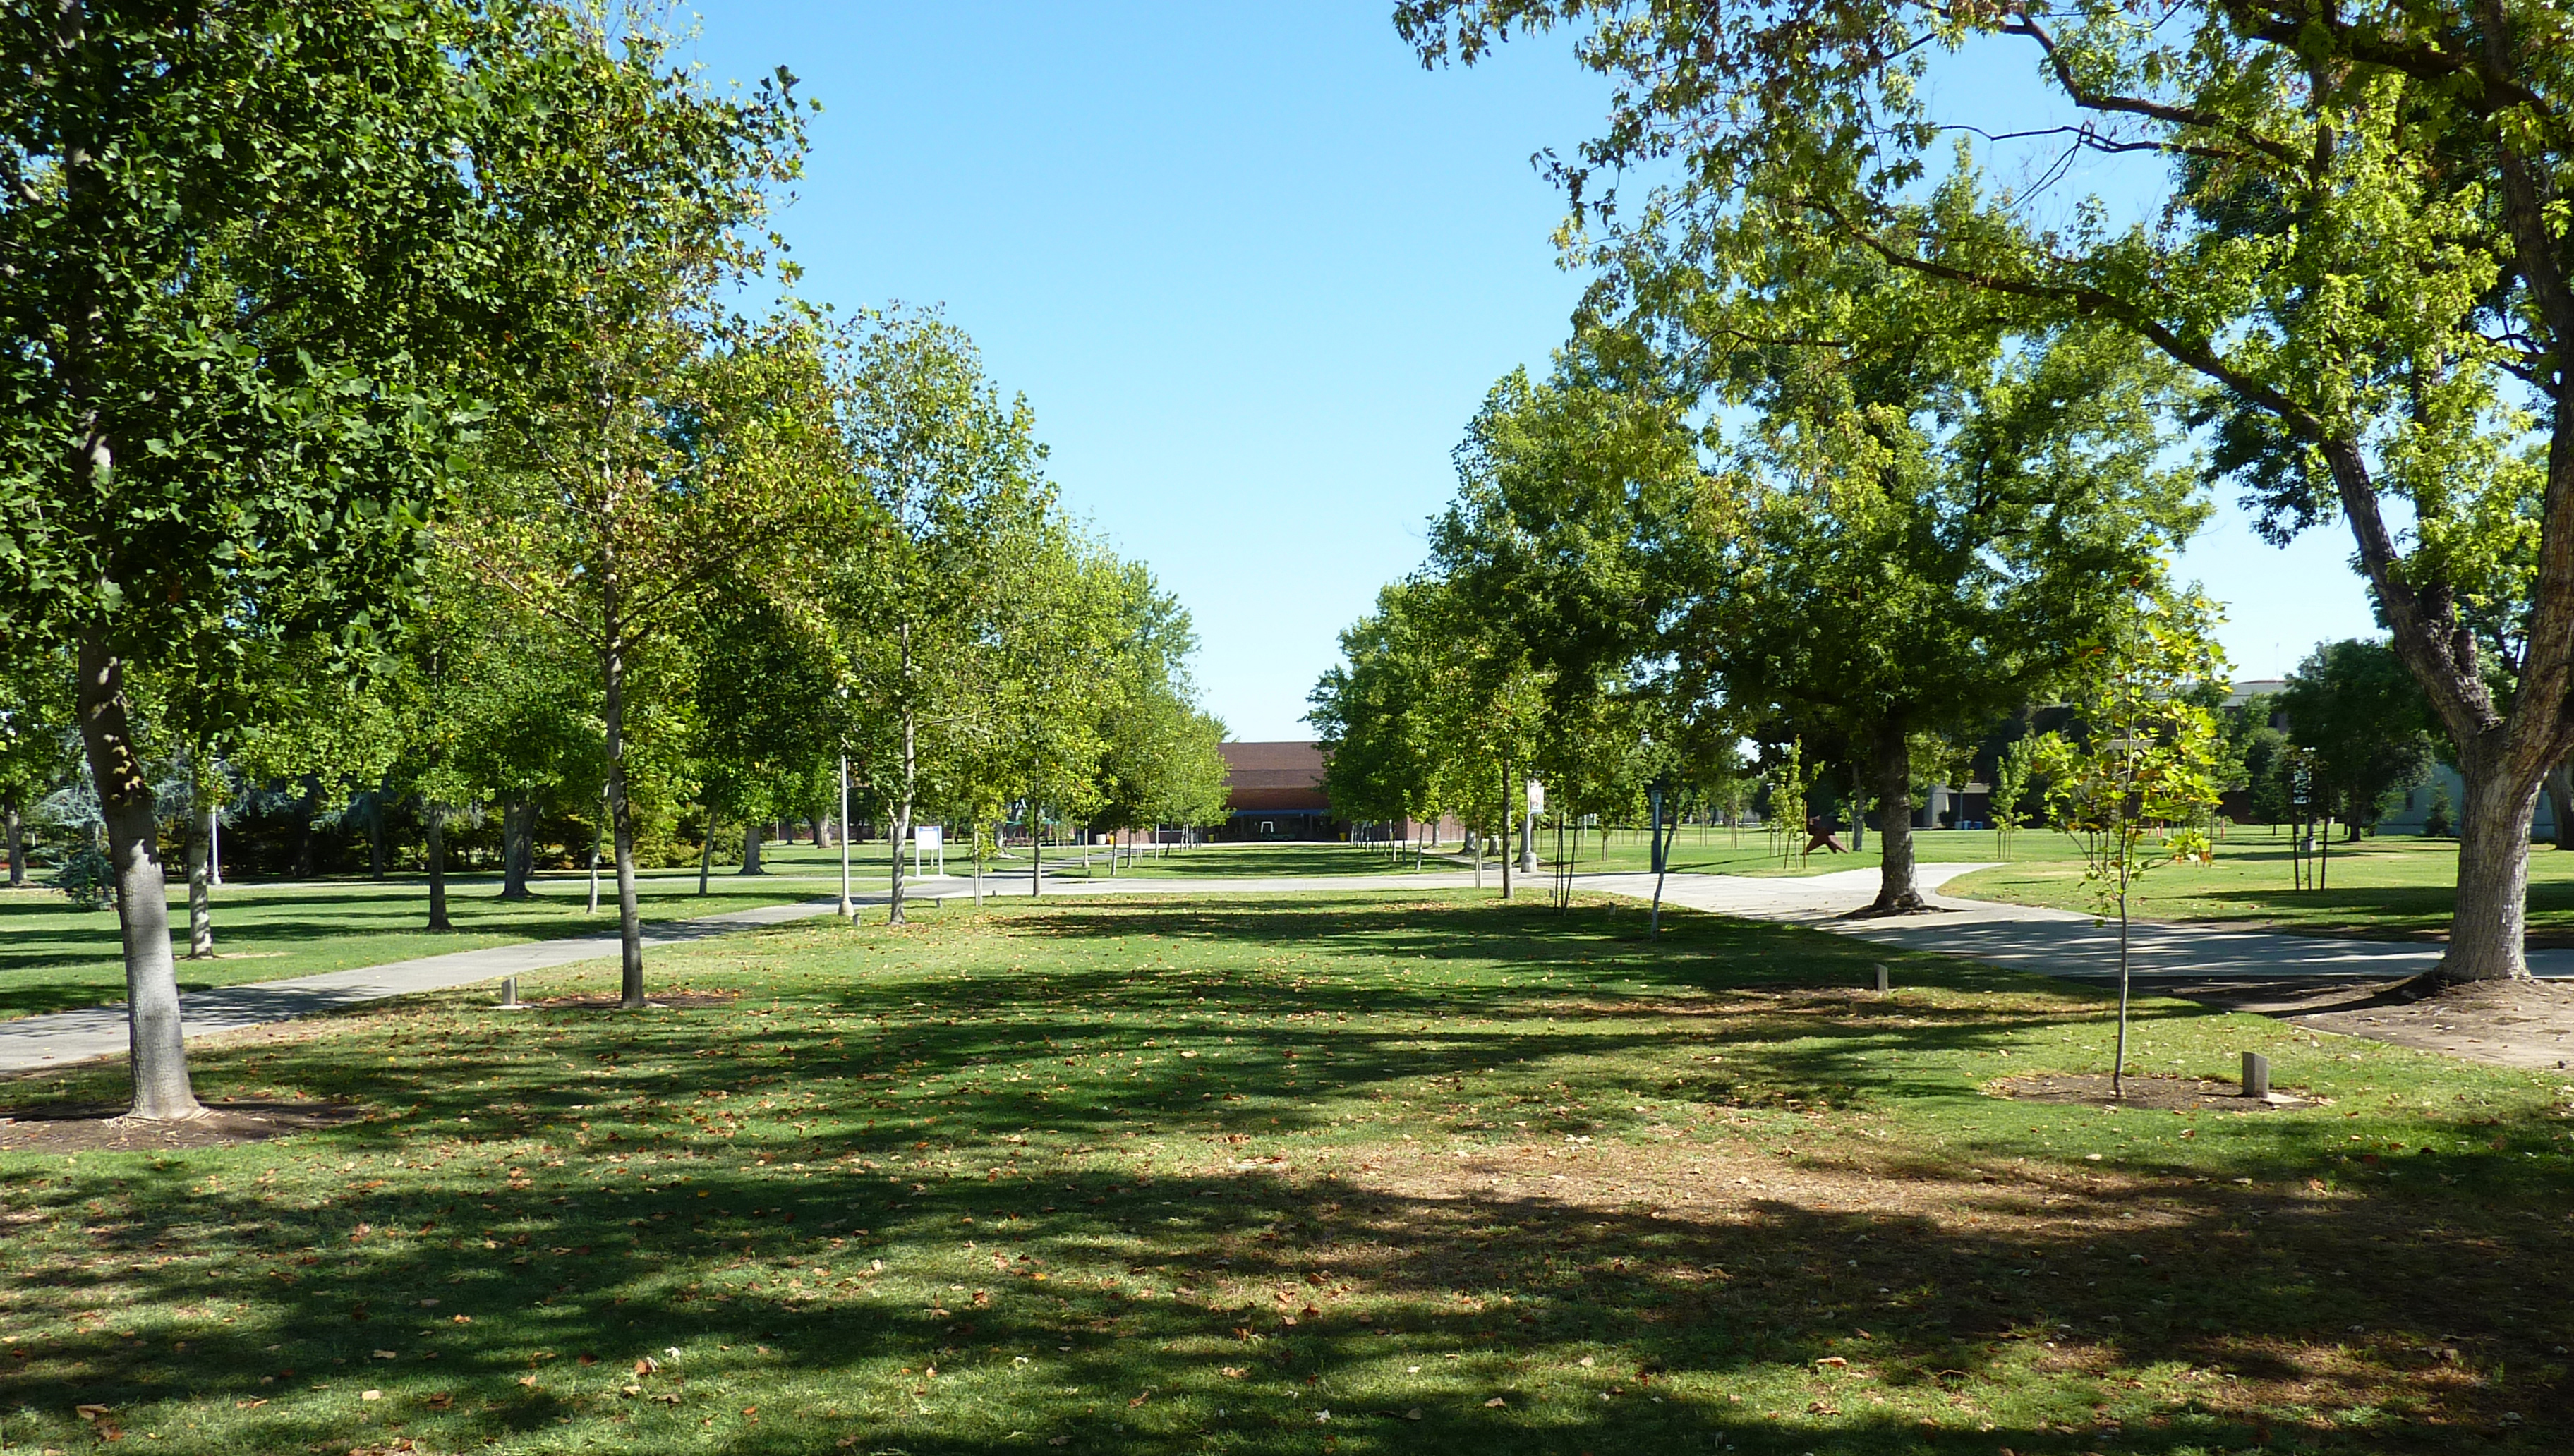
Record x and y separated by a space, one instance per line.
767 723
678 444
955 504
2363 250
1435 712
35 716
2368 722
252 267
2143 760
2013 774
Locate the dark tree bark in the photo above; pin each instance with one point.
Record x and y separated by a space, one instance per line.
376 834
707 850
2560 805
436 815
750 839
1897 892
304 828
2490 924
16 843
518 848
158 1054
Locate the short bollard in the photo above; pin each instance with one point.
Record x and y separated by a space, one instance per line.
2257 1075
1881 978
509 993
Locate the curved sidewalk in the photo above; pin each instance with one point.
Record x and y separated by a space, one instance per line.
34 1042
2166 958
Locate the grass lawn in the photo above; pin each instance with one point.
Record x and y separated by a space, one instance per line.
2398 887
1705 850
1389 1175
53 958
1239 861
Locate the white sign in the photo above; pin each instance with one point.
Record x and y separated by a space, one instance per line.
1537 797
929 842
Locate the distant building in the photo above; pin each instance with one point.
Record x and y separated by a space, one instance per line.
1275 791
2243 690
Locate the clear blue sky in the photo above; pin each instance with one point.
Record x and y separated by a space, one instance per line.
1255 268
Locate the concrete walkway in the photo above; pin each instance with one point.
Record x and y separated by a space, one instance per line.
2165 958
33 1042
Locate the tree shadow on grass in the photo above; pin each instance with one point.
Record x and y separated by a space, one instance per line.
566 1187
1303 1294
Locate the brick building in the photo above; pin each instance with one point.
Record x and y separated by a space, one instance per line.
1275 791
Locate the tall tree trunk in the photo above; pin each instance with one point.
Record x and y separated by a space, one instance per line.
436 816
304 828
518 848
376 834
1896 891
158 1054
1859 810
903 807
201 906
1528 831
17 845
2560 805
1502 851
621 812
1036 852
2502 757
751 841
2487 930
707 850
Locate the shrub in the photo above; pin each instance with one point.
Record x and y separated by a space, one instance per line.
88 877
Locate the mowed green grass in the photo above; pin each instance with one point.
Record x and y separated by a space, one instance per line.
1260 862
1715 851
2395 887
1397 1175
53 958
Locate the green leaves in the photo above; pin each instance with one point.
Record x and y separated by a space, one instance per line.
2144 758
